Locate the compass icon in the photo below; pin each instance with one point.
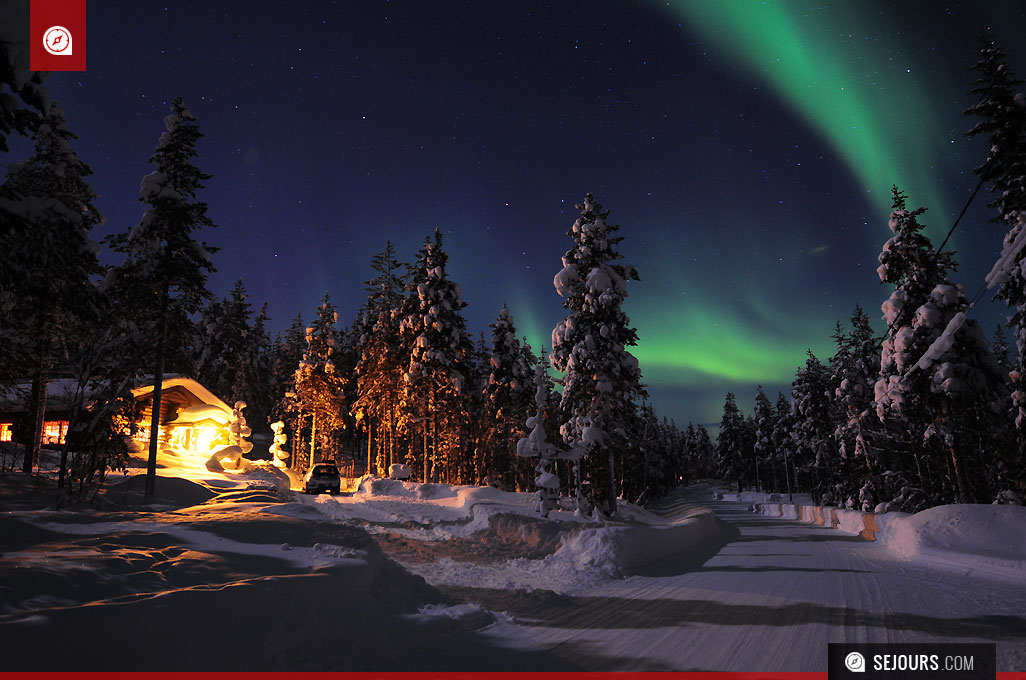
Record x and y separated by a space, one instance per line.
57 41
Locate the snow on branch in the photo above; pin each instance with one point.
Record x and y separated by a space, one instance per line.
1002 269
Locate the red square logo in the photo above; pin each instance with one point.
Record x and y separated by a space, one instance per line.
57 35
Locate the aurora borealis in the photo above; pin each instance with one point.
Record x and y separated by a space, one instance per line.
747 150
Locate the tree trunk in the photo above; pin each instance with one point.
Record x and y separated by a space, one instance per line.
391 435
611 509
158 380
962 489
423 424
39 388
787 478
313 438
370 438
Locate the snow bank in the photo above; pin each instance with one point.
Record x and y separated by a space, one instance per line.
619 550
982 539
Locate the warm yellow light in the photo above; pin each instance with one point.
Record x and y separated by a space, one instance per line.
205 436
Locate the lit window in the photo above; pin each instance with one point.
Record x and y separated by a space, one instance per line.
54 431
5 432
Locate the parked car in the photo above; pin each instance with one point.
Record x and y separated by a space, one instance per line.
322 477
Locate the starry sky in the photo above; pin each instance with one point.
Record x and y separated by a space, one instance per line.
747 150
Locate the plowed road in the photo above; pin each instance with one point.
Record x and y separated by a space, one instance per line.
768 595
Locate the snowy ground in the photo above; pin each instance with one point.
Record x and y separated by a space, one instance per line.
234 571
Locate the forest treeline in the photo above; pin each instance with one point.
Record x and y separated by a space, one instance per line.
929 413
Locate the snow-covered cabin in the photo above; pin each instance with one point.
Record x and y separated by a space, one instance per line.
191 416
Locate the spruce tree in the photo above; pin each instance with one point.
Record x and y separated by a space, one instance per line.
536 444
381 362
434 333
938 383
162 281
232 348
47 211
812 429
509 398
703 449
730 443
286 353
764 450
1001 109
784 445
854 368
319 384
602 381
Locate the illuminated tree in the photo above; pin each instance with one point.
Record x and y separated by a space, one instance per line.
380 365
319 384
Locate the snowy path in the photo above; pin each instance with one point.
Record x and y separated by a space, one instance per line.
768 595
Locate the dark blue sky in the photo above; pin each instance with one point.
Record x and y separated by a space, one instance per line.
746 152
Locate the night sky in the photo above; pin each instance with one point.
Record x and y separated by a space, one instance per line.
746 149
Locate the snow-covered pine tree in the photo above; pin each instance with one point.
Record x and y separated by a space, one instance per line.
854 369
1001 109
381 361
537 445
319 385
730 443
602 381
704 449
162 281
764 450
477 428
260 402
693 467
938 378
784 445
47 211
435 332
509 397
232 348
812 429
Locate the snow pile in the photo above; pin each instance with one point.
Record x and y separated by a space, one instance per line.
983 539
619 550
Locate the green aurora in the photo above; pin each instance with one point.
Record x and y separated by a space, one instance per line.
857 95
